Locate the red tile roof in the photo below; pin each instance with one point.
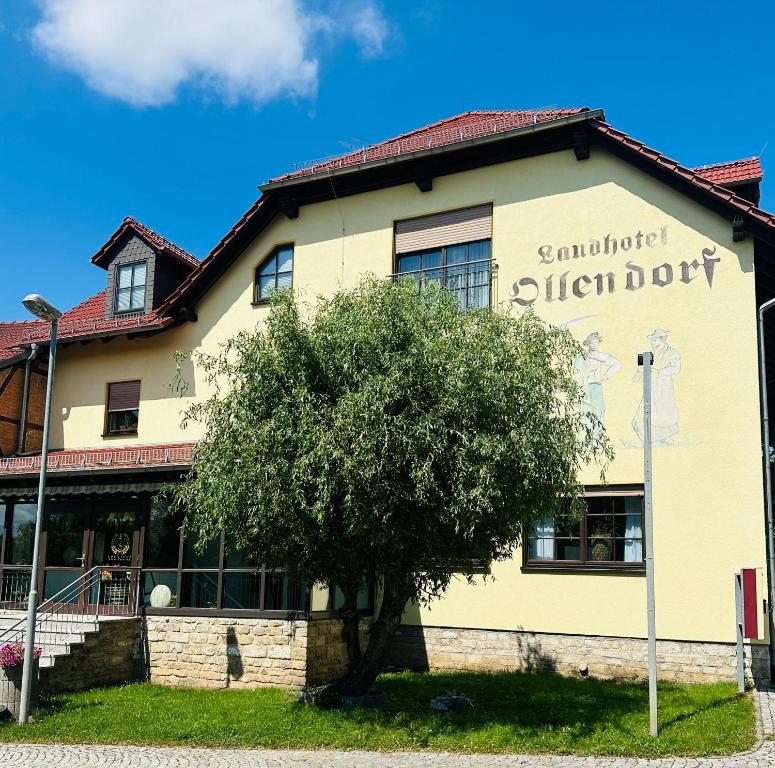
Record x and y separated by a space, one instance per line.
82 321
734 203
468 125
206 265
87 319
11 335
151 236
732 172
144 456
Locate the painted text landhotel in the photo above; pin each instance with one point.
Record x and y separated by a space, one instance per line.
553 210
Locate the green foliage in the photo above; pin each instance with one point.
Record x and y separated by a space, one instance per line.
386 433
512 713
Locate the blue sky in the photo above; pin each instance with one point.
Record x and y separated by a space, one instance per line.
116 107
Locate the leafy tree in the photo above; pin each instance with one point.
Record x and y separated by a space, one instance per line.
386 435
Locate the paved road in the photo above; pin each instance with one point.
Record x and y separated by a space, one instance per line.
56 756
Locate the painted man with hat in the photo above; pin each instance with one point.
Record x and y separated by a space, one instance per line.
590 370
665 365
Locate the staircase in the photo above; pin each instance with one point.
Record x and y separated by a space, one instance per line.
64 621
53 643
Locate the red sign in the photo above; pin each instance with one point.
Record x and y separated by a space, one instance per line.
750 604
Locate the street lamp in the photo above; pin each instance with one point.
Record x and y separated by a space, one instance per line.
47 312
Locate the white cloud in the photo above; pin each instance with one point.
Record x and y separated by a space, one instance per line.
144 51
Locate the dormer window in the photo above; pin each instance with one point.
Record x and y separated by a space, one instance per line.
130 287
275 273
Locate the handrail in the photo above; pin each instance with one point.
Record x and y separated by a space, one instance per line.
56 617
440 267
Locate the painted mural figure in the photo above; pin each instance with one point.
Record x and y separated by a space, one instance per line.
664 409
590 370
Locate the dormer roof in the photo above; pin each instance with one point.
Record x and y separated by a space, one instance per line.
151 237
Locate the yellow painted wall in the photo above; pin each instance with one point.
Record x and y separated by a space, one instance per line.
708 499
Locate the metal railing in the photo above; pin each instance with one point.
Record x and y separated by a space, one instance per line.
469 281
101 591
15 587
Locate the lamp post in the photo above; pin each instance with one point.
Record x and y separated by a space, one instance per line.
50 314
646 360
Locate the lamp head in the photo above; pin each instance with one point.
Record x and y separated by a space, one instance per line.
41 308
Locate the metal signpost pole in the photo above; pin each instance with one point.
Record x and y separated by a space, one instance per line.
46 312
739 632
646 359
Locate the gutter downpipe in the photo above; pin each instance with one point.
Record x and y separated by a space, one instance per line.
767 484
25 398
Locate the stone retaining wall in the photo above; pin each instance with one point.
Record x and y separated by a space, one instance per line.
326 652
210 652
106 657
440 648
239 653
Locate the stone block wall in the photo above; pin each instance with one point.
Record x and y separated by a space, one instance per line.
447 648
241 653
106 657
210 652
326 652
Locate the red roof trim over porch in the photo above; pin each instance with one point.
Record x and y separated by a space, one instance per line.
105 459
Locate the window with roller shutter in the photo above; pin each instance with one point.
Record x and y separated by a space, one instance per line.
452 248
123 408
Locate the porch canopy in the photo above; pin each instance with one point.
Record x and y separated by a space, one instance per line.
25 493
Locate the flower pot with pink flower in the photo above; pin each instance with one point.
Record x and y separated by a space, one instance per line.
11 666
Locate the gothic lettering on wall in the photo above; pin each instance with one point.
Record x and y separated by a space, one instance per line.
605 246
568 284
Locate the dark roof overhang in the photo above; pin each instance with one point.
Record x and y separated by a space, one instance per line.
449 158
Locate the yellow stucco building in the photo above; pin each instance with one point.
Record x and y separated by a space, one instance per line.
550 209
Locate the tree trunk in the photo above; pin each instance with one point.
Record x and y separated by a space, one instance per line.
358 680
351 628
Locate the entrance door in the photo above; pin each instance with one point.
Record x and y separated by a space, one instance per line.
83 534
113 546
65 548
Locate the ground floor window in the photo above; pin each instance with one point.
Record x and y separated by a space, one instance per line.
17 533
179 575
609 533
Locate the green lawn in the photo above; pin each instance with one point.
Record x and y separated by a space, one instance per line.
512 713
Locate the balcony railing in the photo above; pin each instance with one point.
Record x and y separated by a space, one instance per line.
469 281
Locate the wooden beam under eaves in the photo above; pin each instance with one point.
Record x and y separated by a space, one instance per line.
424 181
738 230
580 144
289 205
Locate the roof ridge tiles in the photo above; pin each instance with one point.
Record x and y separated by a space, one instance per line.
380 149
161 241
738 161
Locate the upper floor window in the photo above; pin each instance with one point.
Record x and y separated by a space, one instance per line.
464 269
608 534
452 248
130 286
275 273
123 408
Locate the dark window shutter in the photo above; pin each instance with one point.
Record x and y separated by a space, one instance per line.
124 396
